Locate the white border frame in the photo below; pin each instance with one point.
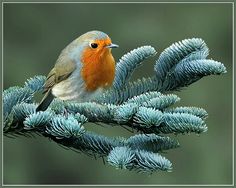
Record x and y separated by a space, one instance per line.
138 185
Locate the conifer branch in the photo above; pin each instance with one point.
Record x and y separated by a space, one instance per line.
140 105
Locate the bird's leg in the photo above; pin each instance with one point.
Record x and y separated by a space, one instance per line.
65 111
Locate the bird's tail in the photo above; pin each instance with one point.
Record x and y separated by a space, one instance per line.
46 101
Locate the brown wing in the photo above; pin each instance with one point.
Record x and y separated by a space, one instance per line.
63 68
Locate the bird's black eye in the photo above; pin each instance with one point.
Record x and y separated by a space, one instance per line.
94 45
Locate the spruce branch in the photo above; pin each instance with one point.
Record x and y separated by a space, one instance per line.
178 51
139 160
140 105
129 62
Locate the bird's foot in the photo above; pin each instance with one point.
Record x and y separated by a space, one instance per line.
65 112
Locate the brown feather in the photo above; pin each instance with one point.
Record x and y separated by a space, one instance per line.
63 68
45 102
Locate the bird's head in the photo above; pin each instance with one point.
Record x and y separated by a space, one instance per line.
92 50
93 46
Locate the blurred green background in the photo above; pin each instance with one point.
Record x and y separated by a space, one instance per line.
34 35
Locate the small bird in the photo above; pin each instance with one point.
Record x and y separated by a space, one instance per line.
83 69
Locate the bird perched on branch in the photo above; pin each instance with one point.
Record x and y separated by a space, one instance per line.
83 69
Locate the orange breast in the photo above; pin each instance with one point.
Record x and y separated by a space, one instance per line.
98 69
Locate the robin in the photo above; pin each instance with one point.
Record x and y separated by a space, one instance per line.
83 69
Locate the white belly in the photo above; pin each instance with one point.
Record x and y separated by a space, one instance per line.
73 89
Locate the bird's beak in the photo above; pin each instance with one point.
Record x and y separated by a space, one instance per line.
112 46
